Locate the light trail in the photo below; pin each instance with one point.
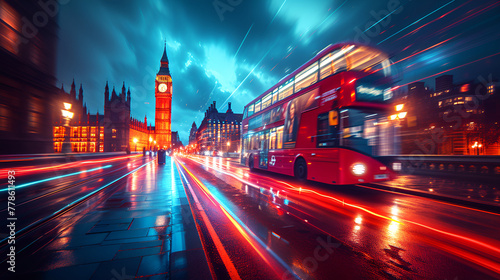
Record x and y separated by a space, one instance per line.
452 69
75 202
380 20
26 170
225 101
242 41
458 238
240 226
58 177
434 20
467 17
275 15
232 271
416 22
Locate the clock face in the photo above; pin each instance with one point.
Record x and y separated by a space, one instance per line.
162 87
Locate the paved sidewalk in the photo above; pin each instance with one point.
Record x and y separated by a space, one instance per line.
144 230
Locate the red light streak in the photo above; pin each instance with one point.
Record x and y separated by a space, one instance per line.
459 239
28 170
442 16
467 17
233 273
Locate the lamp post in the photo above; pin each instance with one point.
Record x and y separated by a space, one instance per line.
135 142
476 146
67 116
228 144
150 140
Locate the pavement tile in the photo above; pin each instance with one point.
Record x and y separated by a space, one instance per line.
109 228
117 269
77 229
154 264
128 234
129 240
158 231
77 241
77 272
94 254
152 221
138 252
115 221
138 245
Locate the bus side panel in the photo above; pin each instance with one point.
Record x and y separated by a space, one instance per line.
307 128
323 166
277 161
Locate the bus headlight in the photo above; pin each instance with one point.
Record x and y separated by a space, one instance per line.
358 169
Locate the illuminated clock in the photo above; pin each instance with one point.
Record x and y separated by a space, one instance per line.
162 87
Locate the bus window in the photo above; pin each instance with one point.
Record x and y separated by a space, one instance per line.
327 135
332 63
275 95
279 137
266 101
367 59
286 89
272 139
257 106
245 112
250 110
306 77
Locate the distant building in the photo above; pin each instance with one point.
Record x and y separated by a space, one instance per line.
94 133
192 134
141 136
176 141
219 131
453 118
28 93
444 84
117 120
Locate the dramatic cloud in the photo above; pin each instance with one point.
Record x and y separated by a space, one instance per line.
232 51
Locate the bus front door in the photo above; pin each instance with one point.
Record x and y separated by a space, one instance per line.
264 149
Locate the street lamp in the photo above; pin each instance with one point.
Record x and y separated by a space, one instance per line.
150 140
67 116
228 144
135 142
477 146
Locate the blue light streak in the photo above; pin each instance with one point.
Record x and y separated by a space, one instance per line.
75 202
380 20
242 41
278 11
415 22
58 177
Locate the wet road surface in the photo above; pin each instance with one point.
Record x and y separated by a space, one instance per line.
368 233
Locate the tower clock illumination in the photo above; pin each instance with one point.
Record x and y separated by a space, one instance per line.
162 87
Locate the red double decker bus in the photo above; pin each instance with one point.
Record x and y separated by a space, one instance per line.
327 121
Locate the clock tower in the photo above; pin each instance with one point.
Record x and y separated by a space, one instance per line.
163 96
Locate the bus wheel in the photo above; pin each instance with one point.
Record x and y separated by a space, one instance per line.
300 169
250 162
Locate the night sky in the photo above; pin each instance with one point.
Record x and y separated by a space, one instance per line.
234 50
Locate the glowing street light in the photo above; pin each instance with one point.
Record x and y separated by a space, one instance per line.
135 142
67 116
476 146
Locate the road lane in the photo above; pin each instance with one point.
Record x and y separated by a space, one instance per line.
409 236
